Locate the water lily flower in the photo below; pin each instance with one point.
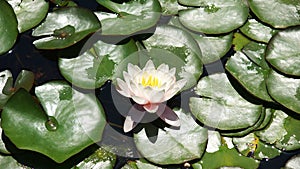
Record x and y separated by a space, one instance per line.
149 88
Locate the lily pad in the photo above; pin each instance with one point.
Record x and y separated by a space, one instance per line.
283 132
278 13
5 84
225 156
249 75
293 163
128 17
284 90
267 119
170 7
240 41
8 27
65 27
212 47
283 51
140 164
70 122
257 31
29 13
10 162
97 65
171 43
251 146
173 146
220 106
215 17
100 159
256 53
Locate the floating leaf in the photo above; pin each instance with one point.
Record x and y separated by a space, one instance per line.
278 13
284 90
221 107
212 47
224 156
5 86
71 122
256 53
283 51
170 7
29 13
128 17
172 146
267 119
283 132
10 162
8 27
249 75
251 146
97 65
171 43
100 159
140 164
215 17
239 41
293 163
257 31
65 27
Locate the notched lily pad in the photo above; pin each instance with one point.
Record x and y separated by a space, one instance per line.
220 106
171 43
170 145
257 31
283 132
278 13
29 13
65 27
215 17
249 75
284 90
128 17
97 65
8 28
65 127
283 51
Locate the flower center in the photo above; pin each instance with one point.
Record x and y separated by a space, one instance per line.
150 81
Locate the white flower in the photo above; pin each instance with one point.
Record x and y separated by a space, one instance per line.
149 87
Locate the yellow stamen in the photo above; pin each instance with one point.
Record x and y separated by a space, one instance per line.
150 81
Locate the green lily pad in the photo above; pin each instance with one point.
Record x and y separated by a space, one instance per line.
170 7
8 27
212 47
29 13
283 132
25 80
240 41
65 27
267 120
128 17
100 159
284 90
257 31
173 146
5 85
249 75
256 53
251 146
278 13
215 17
221 107
10 162
293 163
171 43
283 51
94 67
224 155
71 121
140 164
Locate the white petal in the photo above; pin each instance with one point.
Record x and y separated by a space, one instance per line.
163 68
153 95
149 66
180 83
151 108
170 117
172 71
174 89
134 116
139 100
122 88
133 69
